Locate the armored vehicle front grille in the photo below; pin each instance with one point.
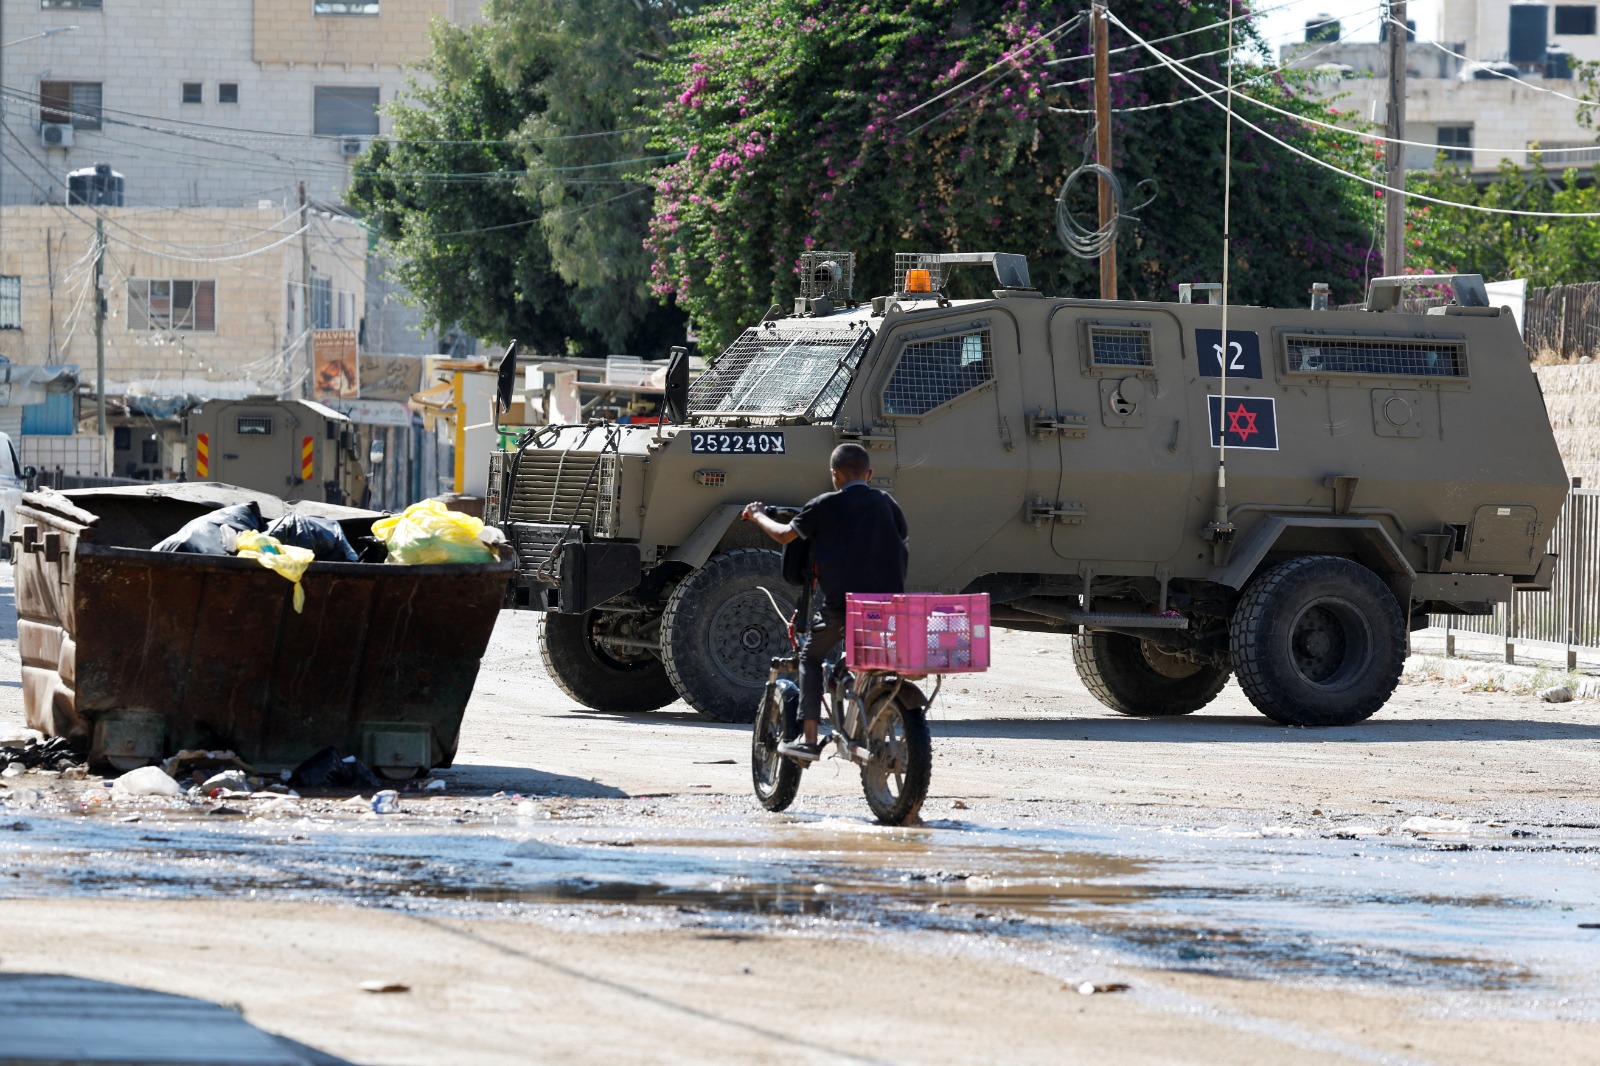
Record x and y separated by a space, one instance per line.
565 487
1119 346
931 373
770 371
1375 356
535 542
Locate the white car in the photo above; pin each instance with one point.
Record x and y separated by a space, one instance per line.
12 486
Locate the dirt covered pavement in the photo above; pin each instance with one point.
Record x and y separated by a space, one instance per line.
603 888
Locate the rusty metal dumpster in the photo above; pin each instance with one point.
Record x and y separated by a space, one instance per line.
142 653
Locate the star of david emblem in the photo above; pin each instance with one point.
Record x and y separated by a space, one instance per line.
1242 421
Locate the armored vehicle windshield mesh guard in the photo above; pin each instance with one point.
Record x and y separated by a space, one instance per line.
1061 455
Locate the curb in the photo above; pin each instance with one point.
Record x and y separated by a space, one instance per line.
1498 677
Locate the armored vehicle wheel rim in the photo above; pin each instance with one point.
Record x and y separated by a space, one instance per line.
1166 663
1329 643
746 635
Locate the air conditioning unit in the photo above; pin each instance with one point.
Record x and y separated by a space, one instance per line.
351 145
55 135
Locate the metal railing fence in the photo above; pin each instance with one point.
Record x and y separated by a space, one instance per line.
1568 614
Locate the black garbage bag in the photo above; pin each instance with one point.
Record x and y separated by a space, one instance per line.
321 536
203 535
331 768
371 550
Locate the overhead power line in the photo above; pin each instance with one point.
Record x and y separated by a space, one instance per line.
1188 77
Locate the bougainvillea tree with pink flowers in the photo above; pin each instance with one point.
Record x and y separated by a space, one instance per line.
799 126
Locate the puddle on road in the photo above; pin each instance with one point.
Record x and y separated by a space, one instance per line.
1487 918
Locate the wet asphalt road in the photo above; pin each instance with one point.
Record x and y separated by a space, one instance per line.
1374 858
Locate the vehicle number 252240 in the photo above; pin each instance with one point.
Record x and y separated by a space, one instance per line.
735 442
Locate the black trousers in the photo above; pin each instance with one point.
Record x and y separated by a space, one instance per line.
819 644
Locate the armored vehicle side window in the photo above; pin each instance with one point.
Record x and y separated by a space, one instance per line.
1119 346
1375 356
255 426
931 373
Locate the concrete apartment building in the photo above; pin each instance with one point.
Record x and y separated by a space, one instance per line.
217 104
215 117
1513 90
201 301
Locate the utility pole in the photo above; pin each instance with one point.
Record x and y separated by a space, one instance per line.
100 330
1394 162
1102 147
305 292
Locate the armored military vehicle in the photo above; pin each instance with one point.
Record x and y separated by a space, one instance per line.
294 449
1063 456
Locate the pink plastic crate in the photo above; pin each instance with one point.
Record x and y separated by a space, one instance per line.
917 632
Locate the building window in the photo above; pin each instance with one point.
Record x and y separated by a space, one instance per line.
340 111
11 301
194 92
1456 142
1576 20
170 303
74 103
70 5
228 92
344 7
321 303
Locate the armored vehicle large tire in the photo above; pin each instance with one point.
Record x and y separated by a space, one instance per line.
1318 640
1132 676
719 633
595 678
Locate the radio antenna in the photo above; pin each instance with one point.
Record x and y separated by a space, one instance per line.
1220 529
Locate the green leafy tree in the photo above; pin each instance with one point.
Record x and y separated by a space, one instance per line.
794 119
1543 247
512 193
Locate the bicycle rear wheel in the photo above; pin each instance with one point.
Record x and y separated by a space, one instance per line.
896 777
776 778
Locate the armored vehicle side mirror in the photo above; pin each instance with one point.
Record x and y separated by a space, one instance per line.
506 380
675 398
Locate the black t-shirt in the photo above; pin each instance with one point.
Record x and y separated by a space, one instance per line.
858 542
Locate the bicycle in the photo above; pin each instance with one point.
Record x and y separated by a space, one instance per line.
877 713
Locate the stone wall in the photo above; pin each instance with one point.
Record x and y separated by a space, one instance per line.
1572 395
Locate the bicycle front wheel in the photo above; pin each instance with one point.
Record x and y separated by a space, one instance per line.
895 778
776 777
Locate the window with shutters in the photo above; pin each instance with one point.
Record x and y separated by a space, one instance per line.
70 103
10 301
932 373
172 303
71 5
344 111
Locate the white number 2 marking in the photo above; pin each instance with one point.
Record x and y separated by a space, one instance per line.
1236 362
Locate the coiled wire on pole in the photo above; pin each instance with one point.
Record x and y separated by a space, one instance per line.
1078 239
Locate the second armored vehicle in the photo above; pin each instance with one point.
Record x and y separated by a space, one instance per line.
1062 455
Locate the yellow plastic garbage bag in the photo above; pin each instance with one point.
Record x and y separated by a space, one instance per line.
429 532
284 559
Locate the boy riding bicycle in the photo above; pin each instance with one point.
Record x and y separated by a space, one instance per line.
858 544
